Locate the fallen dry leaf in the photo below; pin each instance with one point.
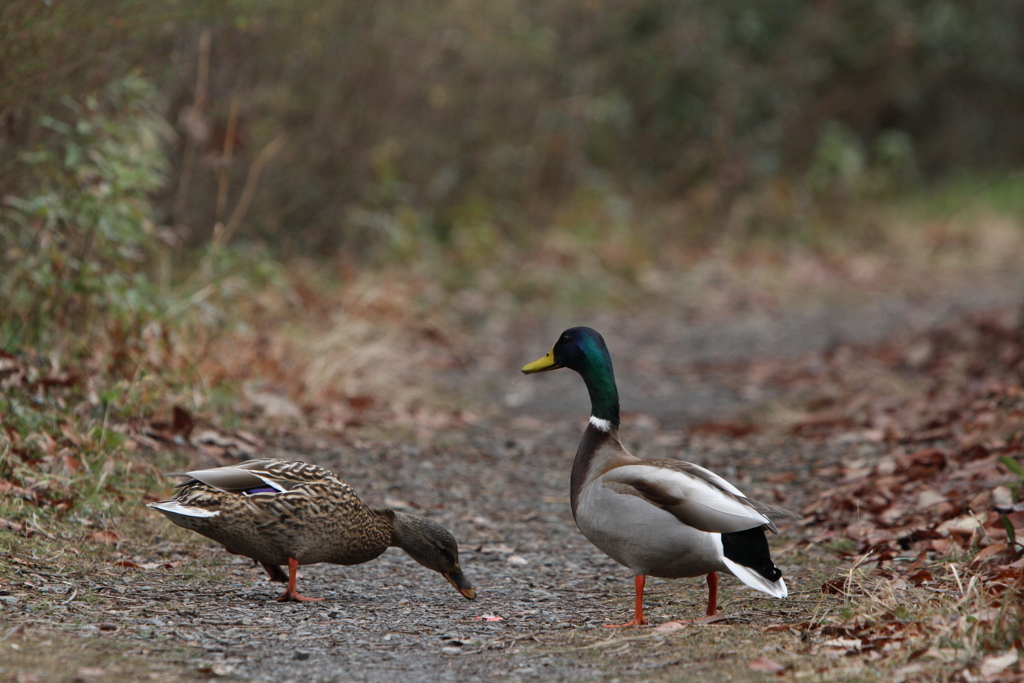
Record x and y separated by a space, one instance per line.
13 526
964 525
106 537
836 587
765 665
183 422
988 553
847 644
669 626
72 463
990 666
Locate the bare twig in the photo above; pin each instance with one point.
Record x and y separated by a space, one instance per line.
191 144
249 190
223 174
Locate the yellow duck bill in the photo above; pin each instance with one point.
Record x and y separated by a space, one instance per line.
542 365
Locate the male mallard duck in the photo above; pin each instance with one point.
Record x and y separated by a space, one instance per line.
279 512
663 518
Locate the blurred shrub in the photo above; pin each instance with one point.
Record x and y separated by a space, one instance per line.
74 250
406 123
405 120
839 163
52 50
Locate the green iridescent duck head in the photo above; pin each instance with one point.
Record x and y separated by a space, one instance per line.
583 349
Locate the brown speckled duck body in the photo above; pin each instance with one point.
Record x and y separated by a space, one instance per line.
293 513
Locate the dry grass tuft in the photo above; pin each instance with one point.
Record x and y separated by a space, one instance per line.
960 616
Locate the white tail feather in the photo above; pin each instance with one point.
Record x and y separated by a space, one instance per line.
754 580
175 508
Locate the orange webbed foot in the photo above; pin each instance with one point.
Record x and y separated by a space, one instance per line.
291 596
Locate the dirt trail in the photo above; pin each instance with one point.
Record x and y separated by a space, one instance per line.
502 486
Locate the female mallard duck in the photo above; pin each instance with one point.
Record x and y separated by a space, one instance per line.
279 512
663 518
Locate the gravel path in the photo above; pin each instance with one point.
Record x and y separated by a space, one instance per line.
544 591
501 485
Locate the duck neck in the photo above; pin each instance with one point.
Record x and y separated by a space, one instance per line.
604 395
386 525
400 528
409 532
604 422
594 440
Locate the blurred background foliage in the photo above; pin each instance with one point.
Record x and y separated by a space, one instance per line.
434 117
388 132
221 203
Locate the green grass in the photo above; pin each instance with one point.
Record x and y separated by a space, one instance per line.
968 193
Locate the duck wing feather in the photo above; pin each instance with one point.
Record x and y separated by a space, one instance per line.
279 475
696 496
